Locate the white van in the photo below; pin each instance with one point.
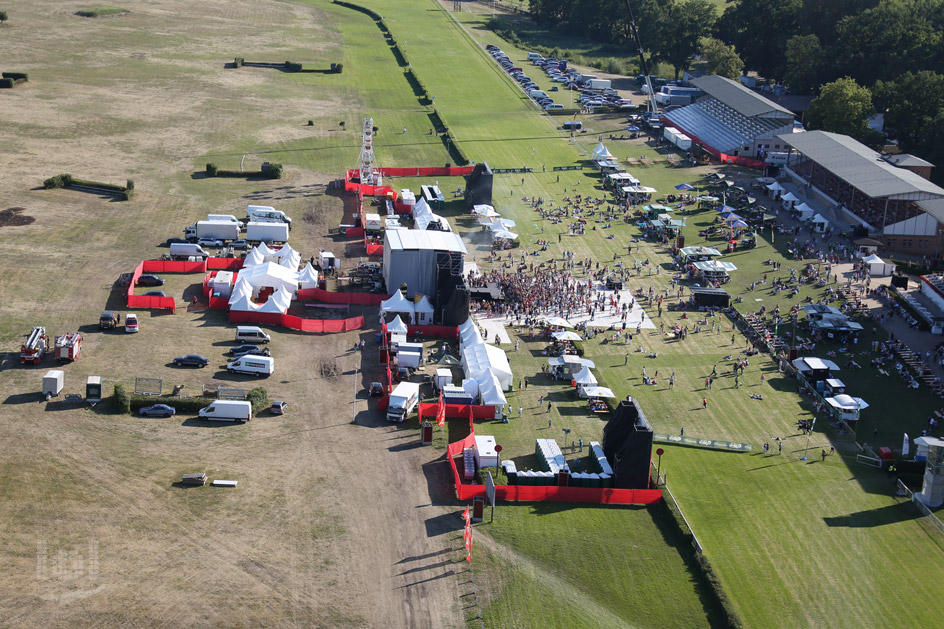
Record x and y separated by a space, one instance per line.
251 334
267 214
238 411
535 56
536 94
186 250
252 365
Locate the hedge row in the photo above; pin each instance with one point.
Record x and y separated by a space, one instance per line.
16 76
273 171
238 62
67 181
126 403
455 151
7 83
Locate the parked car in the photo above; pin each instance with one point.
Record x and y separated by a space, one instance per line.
210 242
560 79
174 241
109 320
154 293
278 407
131 323
550 106
242 243
195 360
157 410
150 280
254 350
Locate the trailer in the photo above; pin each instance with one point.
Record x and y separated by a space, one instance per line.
35 346
221 230
597 84
68 346
93 389
677 138
52 383
266 232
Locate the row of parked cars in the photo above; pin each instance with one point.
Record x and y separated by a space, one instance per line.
527 84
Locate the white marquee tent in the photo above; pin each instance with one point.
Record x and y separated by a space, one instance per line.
601 152
878 267
308 277
397 326
424 311
399 304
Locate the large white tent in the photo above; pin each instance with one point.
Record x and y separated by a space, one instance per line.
269 275
469 334
481 358
484 210
878 267
399 304
279 301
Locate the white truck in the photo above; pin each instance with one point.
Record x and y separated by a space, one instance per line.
220 230
266 232
229 218
267 214
597 84
403 401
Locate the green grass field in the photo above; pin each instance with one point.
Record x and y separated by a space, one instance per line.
796 542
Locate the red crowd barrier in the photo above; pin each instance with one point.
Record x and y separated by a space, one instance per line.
429 409
354 232
329 297
140 301
297 323
224 264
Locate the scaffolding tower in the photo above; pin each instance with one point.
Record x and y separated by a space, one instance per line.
370 171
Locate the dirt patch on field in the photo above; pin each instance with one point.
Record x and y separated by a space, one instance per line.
14 217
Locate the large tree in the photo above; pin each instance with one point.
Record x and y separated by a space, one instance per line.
683 24
911 103
842 106
806 61
895 36
759 30
720 58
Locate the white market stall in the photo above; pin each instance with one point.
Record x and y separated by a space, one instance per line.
398 304
424 311
878 267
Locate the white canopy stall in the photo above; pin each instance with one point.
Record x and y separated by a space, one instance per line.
399 304
878 267
308 277
397 326
847 406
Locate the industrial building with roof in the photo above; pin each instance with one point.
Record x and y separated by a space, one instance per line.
732 122
887 194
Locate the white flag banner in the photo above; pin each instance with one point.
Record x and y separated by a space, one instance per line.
906 446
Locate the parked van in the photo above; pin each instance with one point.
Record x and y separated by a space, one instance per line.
572 125
251 334
238 411
536 94
185 250
534 56
252 365
264 213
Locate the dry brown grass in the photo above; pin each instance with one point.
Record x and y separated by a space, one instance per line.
331 524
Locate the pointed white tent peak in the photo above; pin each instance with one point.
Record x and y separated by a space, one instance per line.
280 301
601 152
241 303
776 187
789 197
308 278
256 256
397 326
397 303
423 305
585 377
288 257
803 207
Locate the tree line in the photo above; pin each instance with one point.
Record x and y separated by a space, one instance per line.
858 56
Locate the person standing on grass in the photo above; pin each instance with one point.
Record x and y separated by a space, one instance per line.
548 407
737 382
766 448
550 420
704 402
780 447
520 412
626 359
823 454
761 379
